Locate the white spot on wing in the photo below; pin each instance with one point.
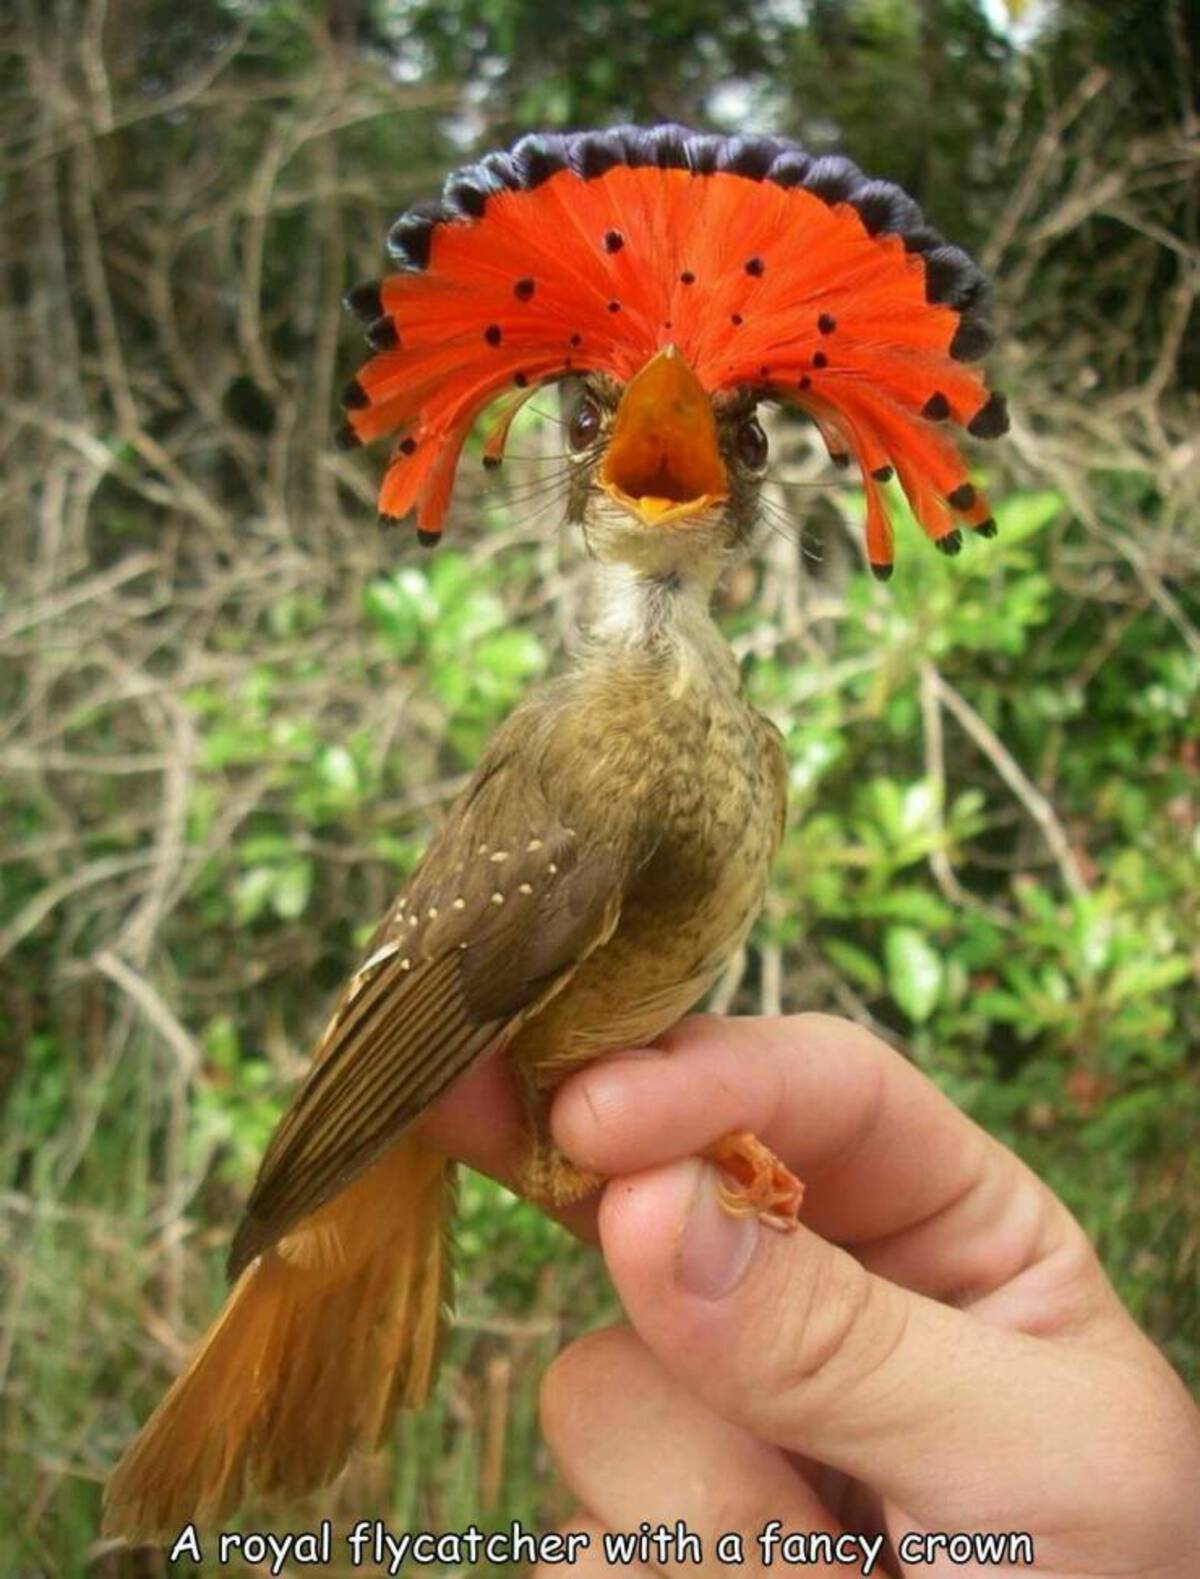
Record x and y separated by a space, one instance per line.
363 974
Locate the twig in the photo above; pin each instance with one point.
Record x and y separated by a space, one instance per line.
152 1006
935 774
1007 766
771 983
35 911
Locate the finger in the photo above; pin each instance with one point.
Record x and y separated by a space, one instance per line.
891 1166
479 1122
590 1561
790 1338
635 1446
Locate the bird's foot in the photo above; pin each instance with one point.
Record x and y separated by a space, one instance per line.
547 1178
755 1181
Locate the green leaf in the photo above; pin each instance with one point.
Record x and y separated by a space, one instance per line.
292 886
511 655
401 607
1021 515
914 971
338 771
252 893
855 964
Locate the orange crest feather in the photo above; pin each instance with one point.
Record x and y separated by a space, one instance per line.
796 277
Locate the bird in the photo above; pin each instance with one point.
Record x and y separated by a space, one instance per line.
612 848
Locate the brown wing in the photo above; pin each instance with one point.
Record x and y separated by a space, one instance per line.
506 903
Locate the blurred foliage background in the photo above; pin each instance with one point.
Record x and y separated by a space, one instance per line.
231 711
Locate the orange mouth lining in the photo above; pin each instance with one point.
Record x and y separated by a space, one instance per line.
663 460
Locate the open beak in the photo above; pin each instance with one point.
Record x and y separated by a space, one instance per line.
663 462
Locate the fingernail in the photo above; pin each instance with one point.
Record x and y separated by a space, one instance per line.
714 1246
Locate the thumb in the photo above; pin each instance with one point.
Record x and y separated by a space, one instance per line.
789 1337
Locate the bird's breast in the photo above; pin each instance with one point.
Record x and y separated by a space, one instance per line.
711 773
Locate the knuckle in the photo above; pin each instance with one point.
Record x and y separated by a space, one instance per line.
845 1329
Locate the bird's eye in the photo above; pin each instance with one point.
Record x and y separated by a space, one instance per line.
752 444
585 425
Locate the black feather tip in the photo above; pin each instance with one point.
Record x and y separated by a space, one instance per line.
991 420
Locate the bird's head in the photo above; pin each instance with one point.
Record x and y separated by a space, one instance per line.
669 281
664 476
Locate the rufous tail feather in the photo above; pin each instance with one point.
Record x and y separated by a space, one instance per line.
321 1339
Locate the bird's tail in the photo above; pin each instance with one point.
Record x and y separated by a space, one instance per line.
320 1340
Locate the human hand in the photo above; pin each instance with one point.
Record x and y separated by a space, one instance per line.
935 1350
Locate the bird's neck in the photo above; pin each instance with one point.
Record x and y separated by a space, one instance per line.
659 627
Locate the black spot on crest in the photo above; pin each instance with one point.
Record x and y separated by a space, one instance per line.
497 171
383 335
613 241
524 288
936 408
963 497
826 323
950 543
593 153
952 279
365 301
884 208
920 238
972 339
789 167
991 420
665 146
468 197
410 238
492 334
539 156
749 156
833 178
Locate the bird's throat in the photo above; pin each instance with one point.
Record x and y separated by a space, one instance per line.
660 624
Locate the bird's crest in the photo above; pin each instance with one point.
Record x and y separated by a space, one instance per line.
797 277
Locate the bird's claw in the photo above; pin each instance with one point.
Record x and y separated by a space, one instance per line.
756 1183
